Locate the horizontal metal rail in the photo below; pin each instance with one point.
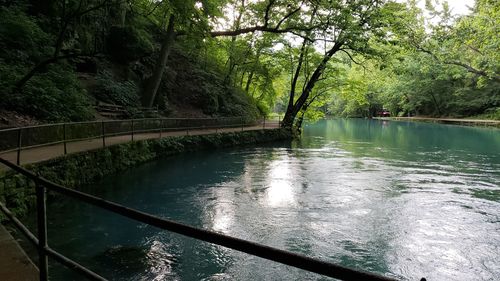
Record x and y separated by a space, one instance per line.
285 257
64 133
125 133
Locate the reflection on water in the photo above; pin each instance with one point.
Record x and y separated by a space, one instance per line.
279 184
403 199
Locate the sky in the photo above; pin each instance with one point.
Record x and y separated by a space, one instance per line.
458 7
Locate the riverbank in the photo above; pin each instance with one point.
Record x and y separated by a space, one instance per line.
455 121
86 167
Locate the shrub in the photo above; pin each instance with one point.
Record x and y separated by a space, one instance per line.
21 39
56 95
124 93
53 95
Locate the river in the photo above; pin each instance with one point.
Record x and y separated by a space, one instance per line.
407 200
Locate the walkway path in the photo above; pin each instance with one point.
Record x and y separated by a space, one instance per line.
39 154
457 121
14 263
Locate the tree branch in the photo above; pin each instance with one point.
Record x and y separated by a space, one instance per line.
287 16
471 69
295 30
268 9
41 65
467 67
351 58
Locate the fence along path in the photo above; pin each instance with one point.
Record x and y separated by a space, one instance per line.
27 145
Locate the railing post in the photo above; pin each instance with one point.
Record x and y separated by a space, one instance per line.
103 133
161 126
132 135
279 120
19 144
242 124
64 139
42 231
264 125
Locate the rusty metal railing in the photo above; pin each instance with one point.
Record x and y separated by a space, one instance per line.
42 186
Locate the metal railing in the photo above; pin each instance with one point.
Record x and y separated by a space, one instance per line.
42 186
22 138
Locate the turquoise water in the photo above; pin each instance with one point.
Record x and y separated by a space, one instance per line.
407 200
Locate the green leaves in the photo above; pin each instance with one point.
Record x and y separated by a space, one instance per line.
125 93
21 39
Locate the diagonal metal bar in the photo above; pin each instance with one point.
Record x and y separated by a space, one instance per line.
48 251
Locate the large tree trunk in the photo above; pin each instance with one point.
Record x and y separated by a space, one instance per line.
249 81
288 119
149 94
294 108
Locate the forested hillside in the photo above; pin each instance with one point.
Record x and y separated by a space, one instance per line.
59 59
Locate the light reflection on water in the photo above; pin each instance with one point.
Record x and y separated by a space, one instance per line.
403 199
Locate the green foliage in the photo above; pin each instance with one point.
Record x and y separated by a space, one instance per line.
447 68
410 65
55 95
189 83
21 39
110 90
490 113
237 103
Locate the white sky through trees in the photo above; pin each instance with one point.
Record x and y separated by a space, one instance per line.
457 7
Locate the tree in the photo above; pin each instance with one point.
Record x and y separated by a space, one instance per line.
348 30
184 18
68 14
445 68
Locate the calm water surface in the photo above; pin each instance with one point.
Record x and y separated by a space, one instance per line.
407 200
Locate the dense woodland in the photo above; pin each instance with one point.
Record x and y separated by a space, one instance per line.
309 58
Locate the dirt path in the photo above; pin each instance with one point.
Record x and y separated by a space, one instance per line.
39 154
